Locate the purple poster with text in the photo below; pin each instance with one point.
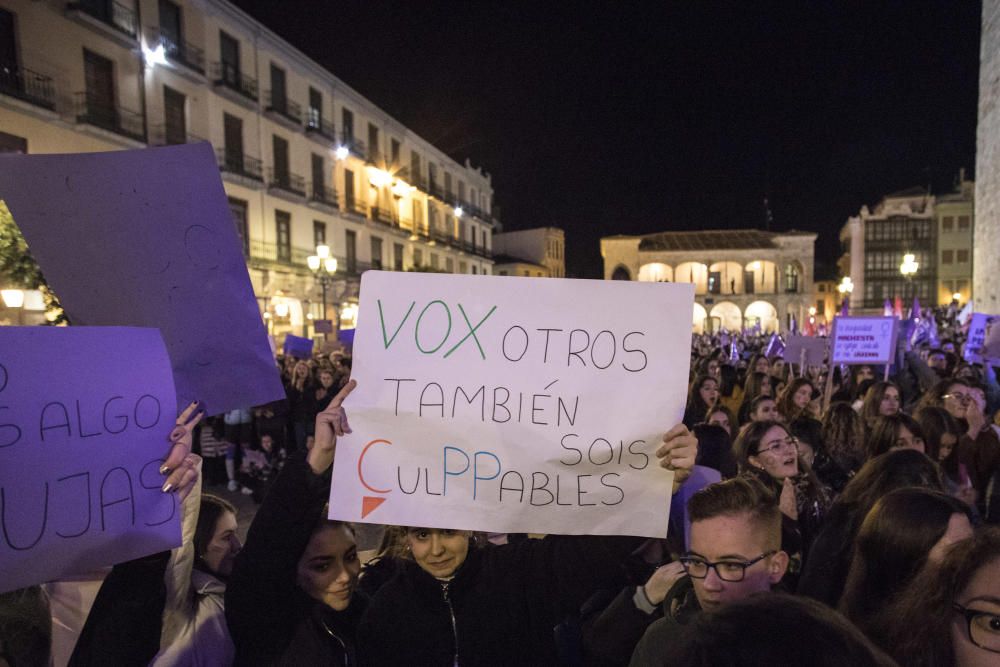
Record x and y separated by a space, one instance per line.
146 238
85 419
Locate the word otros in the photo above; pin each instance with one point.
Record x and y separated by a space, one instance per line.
481 476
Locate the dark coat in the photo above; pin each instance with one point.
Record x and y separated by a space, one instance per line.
679 608
500 608
271 619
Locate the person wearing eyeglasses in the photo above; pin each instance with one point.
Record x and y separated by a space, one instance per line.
767 451
950 613
735 552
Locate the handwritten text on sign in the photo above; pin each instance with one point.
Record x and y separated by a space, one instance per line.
863 340
513 404
84 419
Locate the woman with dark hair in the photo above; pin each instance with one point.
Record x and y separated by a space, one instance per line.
950 394
715 449
768 452
291 598
903 531
826 568
949 615
167 608
899 431
722 416
844 437
941 435
759 363
702 396
882 400
774 629
795 400
757 384
813 453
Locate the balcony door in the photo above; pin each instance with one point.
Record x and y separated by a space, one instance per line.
100 81
8 53
279 100
170 26
318 177
229 50
233 136
175 124
280 147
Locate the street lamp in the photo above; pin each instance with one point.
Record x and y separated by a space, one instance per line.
909 267
323 267
846 286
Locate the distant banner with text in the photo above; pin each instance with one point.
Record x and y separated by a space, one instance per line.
513 404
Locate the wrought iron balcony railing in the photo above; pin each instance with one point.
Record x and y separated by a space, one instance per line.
280 104
165 135
240 164
101 113
315 124
114 14
27 85
323 195
287 181
181 52
229 76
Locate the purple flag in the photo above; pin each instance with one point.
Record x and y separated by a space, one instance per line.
915 310
887 308
775 346
845 307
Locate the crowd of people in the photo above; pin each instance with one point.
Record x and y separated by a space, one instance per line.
822 515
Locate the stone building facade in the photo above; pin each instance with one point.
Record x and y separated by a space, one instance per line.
986 242
742 277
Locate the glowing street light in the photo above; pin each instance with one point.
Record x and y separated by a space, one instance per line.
341 153
846 286
910 266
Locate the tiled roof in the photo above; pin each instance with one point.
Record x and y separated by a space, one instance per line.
720 239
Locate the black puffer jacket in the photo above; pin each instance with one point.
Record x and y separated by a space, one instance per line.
500 608
271 619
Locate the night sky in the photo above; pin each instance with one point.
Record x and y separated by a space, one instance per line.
629 119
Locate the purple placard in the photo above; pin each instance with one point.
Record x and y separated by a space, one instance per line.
323 326
146 238
299 347
814 348
85 415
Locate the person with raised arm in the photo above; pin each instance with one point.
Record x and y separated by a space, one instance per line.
456 603
292 597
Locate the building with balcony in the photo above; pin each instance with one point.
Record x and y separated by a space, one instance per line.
305 159
742 278
936 229
536 252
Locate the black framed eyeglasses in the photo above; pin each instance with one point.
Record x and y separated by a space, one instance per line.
727 570
958 396
775 446
983 627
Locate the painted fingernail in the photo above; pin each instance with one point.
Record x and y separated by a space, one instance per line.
167 487
164 469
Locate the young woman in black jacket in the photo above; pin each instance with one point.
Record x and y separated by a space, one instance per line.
457 604
292 596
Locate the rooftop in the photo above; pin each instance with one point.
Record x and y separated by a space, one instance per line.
720 239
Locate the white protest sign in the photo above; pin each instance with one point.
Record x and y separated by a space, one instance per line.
85 414
975 341
513 404
863 340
